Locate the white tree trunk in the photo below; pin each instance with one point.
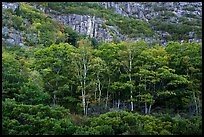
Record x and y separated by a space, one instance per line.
99 88
107 93
83 99
119 101
130 77
149 109
132 106
54 100
84 85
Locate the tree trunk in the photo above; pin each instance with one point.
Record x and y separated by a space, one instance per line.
99 88
113 100
119 101
199 106
87 105
83 98
95 94
195 101
84 85
130 78
145 88
107 93
149 109
146 108
139 93
54 100
132 105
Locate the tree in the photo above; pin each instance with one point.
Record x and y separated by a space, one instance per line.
156 78
82 59
127 55
13 76
55 65
98 70
186 60
108 53
32 92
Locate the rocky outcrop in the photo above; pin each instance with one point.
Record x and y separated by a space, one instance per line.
151 10
146 11
86 24
11 35
94 26
10 5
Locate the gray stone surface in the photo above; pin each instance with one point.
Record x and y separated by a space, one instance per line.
8 5
5 31
11 41
85 24
92 25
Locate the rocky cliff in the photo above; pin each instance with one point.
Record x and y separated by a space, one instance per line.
165 12
164 21
85 24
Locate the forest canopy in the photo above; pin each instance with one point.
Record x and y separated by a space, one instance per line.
129 78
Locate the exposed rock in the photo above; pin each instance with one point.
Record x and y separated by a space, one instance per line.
150 40
165 34
146 10
85 24
11 41
12 5
92 25
5 31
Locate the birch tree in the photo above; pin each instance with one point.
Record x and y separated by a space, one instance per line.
128 53
82 60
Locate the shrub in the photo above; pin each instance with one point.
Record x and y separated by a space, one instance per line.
35 119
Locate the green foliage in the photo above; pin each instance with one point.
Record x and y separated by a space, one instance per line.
94 78
179 30
135 124
17 21
32 92
40 28
98 130
54 63
108 120
39 119
181 126
134 28
12 76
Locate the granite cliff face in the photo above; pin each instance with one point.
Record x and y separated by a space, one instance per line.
153 13
85 24
152 10
147 10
